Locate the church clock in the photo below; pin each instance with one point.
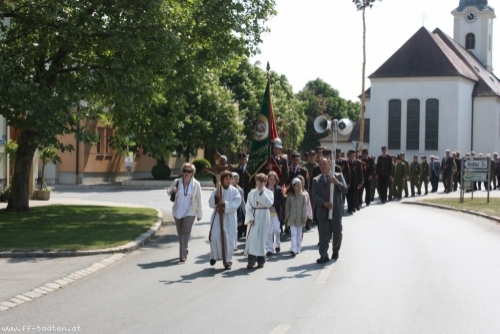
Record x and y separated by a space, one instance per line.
471 16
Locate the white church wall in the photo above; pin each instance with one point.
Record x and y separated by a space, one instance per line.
486 125
464 128
453 93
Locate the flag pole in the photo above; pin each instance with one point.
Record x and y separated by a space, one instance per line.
268 68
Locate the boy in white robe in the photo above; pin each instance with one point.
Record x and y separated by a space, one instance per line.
222 244
258 220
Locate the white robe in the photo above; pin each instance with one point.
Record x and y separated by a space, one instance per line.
232 198
257 234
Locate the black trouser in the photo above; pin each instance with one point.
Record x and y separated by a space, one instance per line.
383 182
498 180
359 200
330 229
242 230
456 181
352 198
368 197
434 182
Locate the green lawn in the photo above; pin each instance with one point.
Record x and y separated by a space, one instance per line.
71 227
476 204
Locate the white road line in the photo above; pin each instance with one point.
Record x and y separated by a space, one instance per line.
324 275
281 329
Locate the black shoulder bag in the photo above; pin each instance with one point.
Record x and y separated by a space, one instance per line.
172 196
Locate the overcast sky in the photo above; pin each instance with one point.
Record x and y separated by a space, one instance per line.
323 38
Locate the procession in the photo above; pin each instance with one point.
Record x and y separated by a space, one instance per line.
274 207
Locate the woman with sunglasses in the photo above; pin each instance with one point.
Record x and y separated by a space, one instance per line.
187 206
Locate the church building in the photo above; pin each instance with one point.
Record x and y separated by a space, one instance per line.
437 92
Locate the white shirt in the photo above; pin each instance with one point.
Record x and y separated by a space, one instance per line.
183 201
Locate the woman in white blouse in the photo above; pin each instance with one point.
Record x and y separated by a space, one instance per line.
187 206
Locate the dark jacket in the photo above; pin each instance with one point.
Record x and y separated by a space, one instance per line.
279 201
292 175
244 182
384 165
356 173
321 196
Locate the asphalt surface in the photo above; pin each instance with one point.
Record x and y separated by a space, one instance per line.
402 269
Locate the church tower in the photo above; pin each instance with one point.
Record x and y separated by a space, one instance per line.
473 29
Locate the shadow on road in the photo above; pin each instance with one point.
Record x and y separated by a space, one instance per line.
301 272
159 264
205 273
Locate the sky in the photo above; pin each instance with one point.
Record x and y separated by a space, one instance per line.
312 39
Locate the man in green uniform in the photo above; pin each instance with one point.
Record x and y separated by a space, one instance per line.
405 182
425 172
415 171
400 176
392 183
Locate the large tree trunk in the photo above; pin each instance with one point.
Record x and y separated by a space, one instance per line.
19 196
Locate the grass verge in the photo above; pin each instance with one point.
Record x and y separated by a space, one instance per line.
476 204
72 227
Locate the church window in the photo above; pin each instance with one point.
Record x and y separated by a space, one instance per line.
431 124
413 124
470 42
394 142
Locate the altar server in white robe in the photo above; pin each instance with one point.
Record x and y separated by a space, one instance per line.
258 220
222 248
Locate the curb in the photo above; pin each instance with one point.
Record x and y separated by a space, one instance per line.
449 208
57 284
133 245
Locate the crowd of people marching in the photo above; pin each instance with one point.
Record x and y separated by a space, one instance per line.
284 203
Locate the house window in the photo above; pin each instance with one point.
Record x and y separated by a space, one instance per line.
413 124
470 41
394 142
431 124
104 138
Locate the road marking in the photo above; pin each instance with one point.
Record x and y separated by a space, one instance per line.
281 329
324 275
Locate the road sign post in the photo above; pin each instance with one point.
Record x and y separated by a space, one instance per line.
129 162
474 169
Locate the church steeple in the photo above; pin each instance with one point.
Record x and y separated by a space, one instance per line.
473 29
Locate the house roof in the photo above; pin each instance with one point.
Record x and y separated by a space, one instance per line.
434 54
424 55
367 93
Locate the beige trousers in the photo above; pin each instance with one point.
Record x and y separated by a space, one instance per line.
184 226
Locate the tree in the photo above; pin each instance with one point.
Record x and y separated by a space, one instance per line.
47 154
124 59
247 84
362 5
319 98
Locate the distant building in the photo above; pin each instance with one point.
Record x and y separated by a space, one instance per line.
437 92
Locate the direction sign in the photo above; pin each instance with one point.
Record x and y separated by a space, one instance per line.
475 177
476 163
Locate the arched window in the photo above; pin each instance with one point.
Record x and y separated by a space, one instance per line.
470 41
394 142
431 124
413 124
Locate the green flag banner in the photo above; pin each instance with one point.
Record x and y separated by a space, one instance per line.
264 133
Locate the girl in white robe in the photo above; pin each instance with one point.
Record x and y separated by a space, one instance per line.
232 199
258 220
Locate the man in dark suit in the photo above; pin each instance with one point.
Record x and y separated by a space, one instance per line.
368 174
384 173
244 181
329 228
435 167
457 175
355 183
497 162
296 170
448 167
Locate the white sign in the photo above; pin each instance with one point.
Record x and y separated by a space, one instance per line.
476 177
476 163
129 162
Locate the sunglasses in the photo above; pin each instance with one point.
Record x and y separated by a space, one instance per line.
189 171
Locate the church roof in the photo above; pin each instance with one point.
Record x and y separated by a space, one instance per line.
479 4
424 55
487 83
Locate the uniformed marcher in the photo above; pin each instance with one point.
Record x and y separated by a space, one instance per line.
405 182
448 167
369 173
356 182
400 177
425 173
374 180
384 173
415 171
392 182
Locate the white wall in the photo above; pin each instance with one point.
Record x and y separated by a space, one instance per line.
486 124
454 95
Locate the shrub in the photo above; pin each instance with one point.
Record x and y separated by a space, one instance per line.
5 195
161 172
200 163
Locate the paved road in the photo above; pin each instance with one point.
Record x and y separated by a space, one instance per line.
402 269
